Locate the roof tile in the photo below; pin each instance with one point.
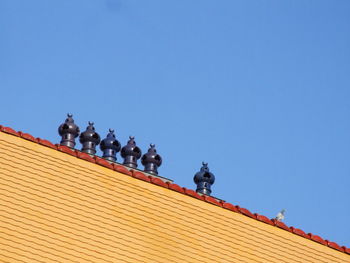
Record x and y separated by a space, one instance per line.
103 162
264 219
230 206
27 136
299 232
141 176
347 250
175 187
246 212
212 200
335 246
281 225
9 130
193 193
317 239
46 143
157 181
66 149
121 169
85 156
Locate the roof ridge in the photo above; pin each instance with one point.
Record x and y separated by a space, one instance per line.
172 186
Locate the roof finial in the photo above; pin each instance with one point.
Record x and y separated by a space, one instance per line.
204 180
110 146
131 153
151 160
68 131
89 139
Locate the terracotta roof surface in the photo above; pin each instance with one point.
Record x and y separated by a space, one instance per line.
187 192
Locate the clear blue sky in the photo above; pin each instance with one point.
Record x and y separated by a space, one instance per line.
259 89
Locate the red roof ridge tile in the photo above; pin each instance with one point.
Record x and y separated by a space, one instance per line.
193 193
9 130
281 225
299 232
121 169
27 136
246 212
66 149
175 187
104 162
155 180
140 175
230 207
46 143
85 156
264 219
212 200
318 239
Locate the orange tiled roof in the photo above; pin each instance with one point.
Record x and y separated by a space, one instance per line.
155 180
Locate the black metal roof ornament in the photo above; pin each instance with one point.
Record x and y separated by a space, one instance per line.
68 131
89 139
204 179
110 146
151 160
131 153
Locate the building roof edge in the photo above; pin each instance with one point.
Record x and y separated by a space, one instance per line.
172 186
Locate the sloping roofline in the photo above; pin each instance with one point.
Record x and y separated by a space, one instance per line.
183 190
